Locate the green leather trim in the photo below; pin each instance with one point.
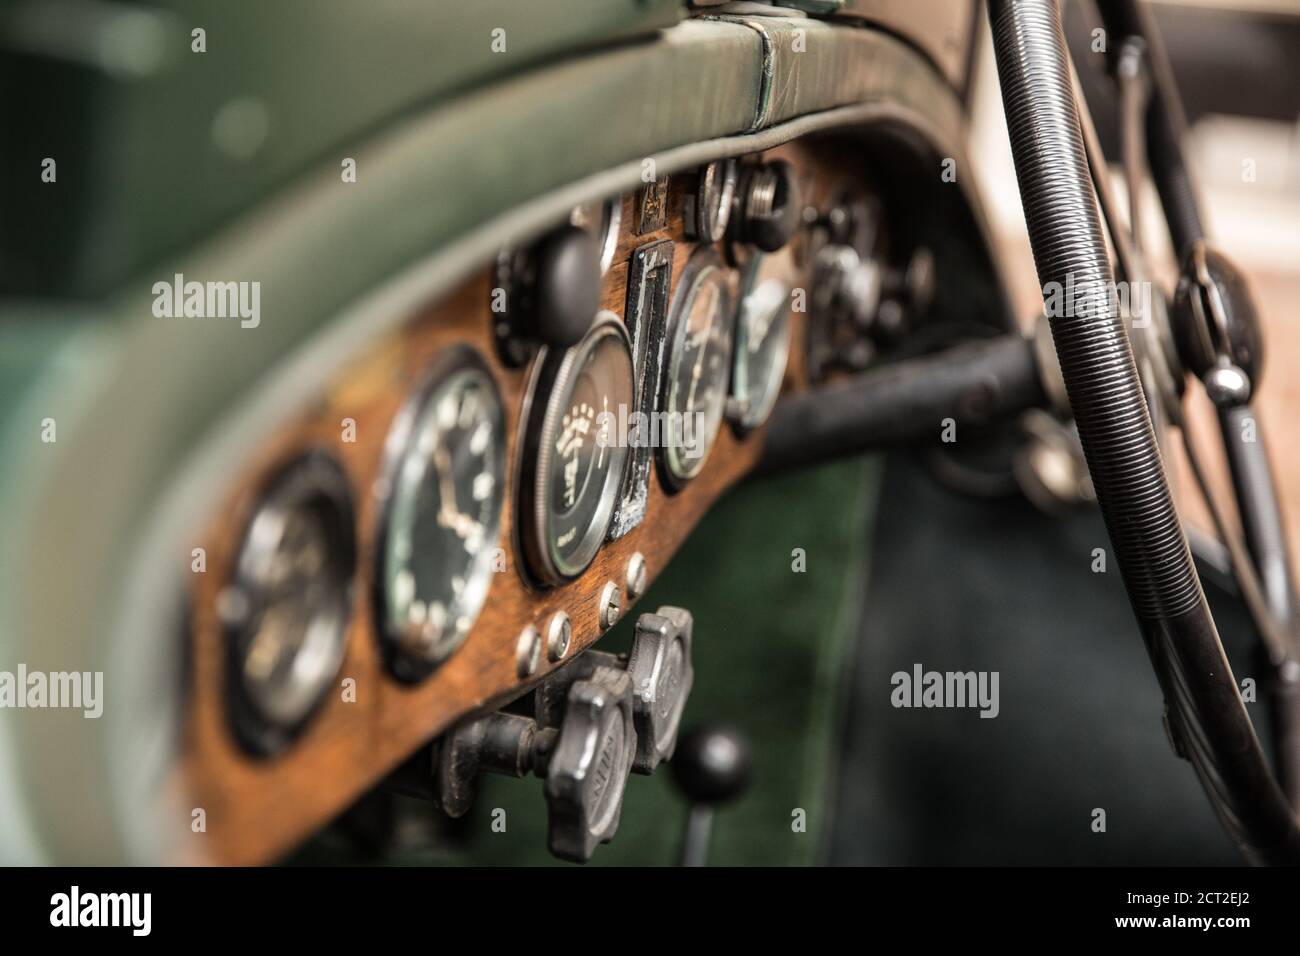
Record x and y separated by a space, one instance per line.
291 81
813 64
820 7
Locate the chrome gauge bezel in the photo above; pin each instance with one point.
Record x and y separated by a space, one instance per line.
550 393
709 198
704 267
265 725
453 369
603 219
754 397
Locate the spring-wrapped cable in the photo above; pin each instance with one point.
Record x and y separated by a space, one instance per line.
1206 713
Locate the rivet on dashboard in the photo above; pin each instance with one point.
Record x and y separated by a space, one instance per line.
636 576
528 652
559 634
611 605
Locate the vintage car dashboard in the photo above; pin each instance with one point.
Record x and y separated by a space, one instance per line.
480 496
489 398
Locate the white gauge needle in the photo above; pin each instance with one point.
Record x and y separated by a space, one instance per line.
449 516
699 362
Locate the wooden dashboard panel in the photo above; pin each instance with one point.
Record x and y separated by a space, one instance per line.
257 808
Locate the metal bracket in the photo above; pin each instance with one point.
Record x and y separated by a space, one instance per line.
646 316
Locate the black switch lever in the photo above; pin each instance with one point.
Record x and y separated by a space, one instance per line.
711 767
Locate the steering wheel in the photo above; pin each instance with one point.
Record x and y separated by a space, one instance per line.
1212 336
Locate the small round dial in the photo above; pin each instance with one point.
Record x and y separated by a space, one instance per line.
573 461
286 609
442 494
709 199
694 394
762 344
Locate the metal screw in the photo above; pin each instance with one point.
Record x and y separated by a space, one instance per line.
528 652
611 603
233 606
636 576
559 633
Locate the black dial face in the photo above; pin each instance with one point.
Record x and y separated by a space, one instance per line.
445 488
699 367
762 344
286 610
574 460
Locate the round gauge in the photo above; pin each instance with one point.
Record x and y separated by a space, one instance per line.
442 494
708 201
694 395
602 220
286 610
762 346
572 462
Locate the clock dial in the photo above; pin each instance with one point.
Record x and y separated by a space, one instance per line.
443 492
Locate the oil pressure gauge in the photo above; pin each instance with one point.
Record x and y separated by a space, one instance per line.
573 459
694 394
441 495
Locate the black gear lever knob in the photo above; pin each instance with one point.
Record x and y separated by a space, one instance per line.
711 767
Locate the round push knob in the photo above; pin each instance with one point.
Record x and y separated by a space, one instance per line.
661 673
712 764
568 286
588 769
711 767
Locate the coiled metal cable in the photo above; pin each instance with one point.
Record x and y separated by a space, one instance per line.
1206 715
1096 360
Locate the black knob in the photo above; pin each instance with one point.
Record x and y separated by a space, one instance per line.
712 764
768 206
568 286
